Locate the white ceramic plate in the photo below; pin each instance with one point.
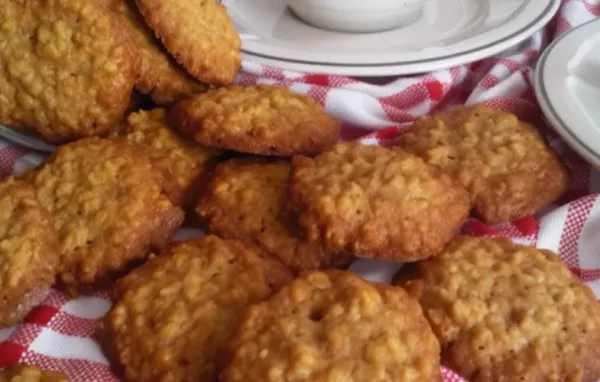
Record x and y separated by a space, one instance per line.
449 33
24 139
567 85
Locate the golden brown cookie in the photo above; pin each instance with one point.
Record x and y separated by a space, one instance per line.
25 373
199 34
334 326
181 161
507 312
67 67
504 163
28 251
160 75
261 119
246 199
370 201
110 209
177 312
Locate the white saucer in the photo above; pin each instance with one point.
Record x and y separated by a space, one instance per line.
448 33
567 85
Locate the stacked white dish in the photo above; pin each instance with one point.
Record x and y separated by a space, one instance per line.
567 86
407 36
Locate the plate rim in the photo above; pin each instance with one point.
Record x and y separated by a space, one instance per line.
414 66
25 140
546 104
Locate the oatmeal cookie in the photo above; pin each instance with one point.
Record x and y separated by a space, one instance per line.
67 67
507 312
28 251
334 326
160 75
181 161
504 163
261 119
176 313
370 201
25 373
199 34
246 199
110 209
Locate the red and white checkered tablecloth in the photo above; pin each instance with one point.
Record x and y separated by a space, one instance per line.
57 335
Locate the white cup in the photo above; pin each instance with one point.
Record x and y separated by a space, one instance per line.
357 16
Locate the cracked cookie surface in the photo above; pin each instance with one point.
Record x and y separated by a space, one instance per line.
67 68
176 313
199 34
504 163
507 312
28 251
26 373
160 75
334 326
261 119
370 201
110 209
246 199
182 162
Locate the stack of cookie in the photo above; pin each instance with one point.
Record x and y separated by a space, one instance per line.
69 67
284 205
286 208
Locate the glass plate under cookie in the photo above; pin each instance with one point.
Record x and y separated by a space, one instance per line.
448 33
567 85
25 139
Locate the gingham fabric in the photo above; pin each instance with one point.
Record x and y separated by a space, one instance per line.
58 334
